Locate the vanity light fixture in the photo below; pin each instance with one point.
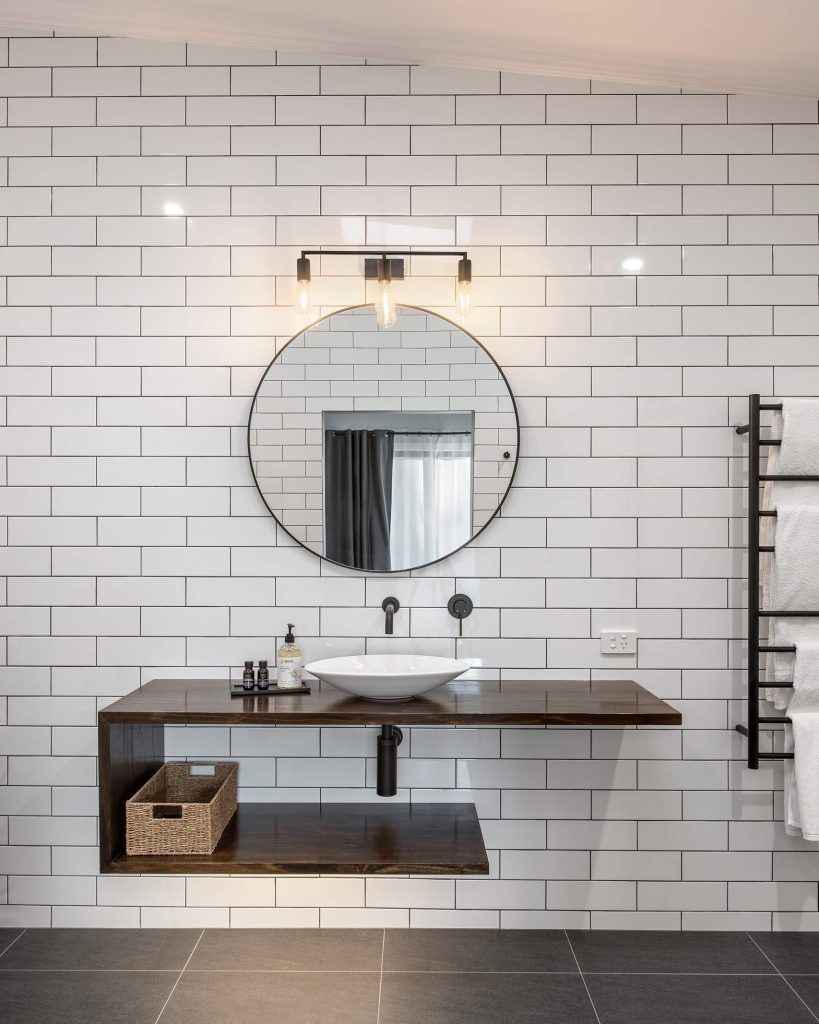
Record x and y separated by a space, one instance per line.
464 290
383 268
302 304
385 303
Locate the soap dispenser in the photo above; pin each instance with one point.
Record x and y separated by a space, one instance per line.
288 662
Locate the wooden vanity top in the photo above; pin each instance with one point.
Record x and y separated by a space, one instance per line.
514 702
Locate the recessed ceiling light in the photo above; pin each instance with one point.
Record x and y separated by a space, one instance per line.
633 264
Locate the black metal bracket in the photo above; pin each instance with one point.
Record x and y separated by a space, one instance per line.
462 253
371 269
387 760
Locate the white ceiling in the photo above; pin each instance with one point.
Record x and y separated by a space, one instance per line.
762 46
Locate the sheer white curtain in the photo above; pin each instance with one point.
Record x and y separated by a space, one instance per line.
431 497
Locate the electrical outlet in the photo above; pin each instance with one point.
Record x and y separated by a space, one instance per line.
618 641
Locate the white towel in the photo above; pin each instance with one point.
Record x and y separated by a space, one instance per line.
806 678
781 667
797 426
794 578
772 490
800 436
779 493
802 778
776 494
793 823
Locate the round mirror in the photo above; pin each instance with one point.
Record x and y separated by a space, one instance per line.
383 449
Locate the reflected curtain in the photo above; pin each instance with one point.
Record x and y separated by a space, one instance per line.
358 497
431 497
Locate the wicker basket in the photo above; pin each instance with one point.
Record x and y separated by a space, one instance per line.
183 808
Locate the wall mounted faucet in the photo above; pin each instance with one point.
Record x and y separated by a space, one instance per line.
460 607
390 606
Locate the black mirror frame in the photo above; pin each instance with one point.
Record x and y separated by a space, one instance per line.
435 561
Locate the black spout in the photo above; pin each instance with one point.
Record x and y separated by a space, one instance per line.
390 606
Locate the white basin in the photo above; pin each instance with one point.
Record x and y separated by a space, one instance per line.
387 676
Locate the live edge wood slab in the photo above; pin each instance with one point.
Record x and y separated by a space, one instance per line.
379 837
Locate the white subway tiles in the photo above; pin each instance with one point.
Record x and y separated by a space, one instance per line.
624 138
147 110
47 52
672 109
90 81
590 109
501 109
155 195
439 81
767 109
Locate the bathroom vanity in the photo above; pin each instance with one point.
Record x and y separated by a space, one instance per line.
379 837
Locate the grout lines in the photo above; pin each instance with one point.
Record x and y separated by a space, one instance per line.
381 976
16 937
782 976
580 970
190 957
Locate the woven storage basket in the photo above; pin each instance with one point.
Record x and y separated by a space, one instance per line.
178 811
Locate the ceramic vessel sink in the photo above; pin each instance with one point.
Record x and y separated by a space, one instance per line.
387 676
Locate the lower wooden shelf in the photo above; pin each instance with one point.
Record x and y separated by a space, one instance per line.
422 839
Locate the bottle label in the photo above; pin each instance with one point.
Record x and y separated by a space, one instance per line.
289 673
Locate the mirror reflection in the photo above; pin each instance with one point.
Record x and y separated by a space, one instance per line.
383 449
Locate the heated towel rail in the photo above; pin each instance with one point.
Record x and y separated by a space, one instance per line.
755 613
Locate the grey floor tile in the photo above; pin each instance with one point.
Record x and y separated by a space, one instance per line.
791 952
7 936
296 949
668 953
101 949
421 949
484 999
80 997
808 988
695 999
214 997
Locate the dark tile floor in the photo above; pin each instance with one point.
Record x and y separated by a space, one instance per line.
406 977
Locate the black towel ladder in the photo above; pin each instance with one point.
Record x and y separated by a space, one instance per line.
755 613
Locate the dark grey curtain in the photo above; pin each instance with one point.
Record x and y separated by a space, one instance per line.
358 497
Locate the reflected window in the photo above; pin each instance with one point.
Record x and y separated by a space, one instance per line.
397 487
431 496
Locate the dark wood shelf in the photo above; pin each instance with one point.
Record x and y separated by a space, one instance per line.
341 838
376 838
517 702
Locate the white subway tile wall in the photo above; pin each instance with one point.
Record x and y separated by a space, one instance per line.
642 260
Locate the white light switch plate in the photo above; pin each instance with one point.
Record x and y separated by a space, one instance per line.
619 641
